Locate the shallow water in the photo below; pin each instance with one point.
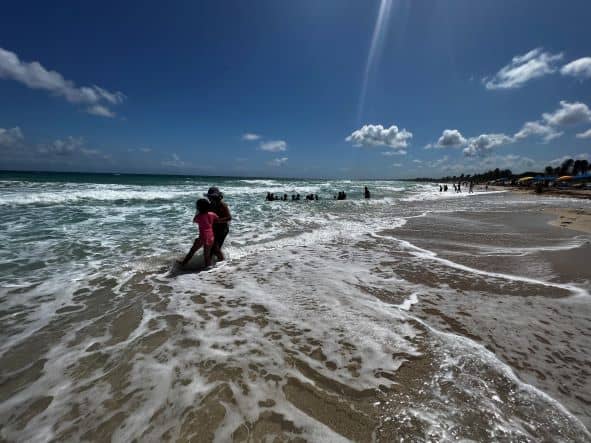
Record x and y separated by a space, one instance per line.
332 320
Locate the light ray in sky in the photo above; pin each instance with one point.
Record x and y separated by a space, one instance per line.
377 42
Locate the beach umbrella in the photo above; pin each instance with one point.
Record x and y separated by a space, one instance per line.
524 179
582 177
565 178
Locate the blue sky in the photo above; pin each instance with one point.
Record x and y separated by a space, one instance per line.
333 88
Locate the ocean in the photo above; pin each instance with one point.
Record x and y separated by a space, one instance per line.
415 315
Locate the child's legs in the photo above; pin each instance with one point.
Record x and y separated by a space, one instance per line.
207 254
196 245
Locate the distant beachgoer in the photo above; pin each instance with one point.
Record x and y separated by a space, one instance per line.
486 187
268 197
316 197
455 188
440 188
459 187
293 197
445 187
366 193
297 196
205 219
284 197
221 209
471 191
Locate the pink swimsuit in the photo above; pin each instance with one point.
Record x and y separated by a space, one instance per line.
205 223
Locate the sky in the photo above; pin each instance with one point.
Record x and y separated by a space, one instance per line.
307 88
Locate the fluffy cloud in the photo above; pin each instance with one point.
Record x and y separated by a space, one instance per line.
568 114
35 76
450 138
547 133
580 68
586 134
391 153
9 138
273 146
377 135
536 63
277 162
249 136
484 144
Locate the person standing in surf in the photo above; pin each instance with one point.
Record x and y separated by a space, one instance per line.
206 220
220 208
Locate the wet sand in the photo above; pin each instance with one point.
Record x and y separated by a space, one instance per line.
543 332
409 333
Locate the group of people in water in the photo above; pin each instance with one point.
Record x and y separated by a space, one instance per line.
294 197
458 187
271 196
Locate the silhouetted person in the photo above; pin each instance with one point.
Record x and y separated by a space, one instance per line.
366 193
440 188
445 187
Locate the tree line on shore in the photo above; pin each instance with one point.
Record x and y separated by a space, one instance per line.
567 167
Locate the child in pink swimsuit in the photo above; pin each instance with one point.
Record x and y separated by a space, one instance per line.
205 220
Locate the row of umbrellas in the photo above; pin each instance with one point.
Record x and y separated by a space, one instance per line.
564 178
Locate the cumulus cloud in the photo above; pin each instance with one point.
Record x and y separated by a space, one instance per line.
9 138
539 129
485 143
273 146
277 162
35 76
568 114
586 134
580 68
450 138
377 135
391 153
536 63
249 136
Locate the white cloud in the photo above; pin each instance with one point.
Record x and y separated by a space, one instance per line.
146 150
249 136
586 134
396 165
450 138
417 161
64 147
10 137
546 132
580 68
273 146
536 63
277 162
484 144
35 76
391 153
377 135
101 111
568 114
